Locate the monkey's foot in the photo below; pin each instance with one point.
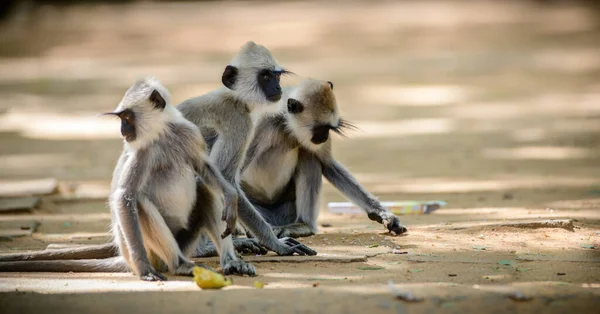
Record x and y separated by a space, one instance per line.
390 221
289 246
239 267
152 275
241 245
187 269
249 246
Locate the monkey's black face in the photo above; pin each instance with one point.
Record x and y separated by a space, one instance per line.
269 83
127 124
320 134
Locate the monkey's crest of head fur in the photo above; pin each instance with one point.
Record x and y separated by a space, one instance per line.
150 122
319 108
249 61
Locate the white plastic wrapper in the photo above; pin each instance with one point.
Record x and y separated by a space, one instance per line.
398 208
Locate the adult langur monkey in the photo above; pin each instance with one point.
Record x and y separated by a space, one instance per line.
224 117
289 155
158 207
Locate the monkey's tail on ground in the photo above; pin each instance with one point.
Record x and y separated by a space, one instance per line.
107 265
97 251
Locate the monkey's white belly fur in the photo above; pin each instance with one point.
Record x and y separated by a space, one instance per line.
175 200
273 174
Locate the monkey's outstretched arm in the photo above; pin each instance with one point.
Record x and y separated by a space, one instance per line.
124 204
212 176
335 173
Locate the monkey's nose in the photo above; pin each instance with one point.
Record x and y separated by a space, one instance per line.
320 135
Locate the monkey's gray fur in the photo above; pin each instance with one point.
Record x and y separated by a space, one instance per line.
224 117
158 208
291 151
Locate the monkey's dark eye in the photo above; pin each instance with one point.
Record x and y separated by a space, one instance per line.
294 106
266 77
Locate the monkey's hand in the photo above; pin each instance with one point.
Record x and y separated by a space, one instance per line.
289 246
230 215
390 221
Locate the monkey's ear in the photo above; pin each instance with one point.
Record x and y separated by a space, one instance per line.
229 76
294 106
157 100
330 84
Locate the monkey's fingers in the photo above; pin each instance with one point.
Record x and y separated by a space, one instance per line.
228 231
395 227
298 247
249 246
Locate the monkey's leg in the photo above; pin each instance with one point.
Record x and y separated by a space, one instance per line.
298 217
295 230
107 265
129 234
160 240
347 184
262 230
230 264
98 251
283 218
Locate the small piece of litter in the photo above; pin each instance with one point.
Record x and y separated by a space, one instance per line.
258 285
373 245
325 225
396 251
588 246
506 262
519 296
369 267
561 274
316 284
452 275
404 296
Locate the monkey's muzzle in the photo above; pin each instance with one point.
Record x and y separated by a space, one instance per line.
320 134
127 123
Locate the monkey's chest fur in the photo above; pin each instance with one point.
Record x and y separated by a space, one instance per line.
267 177
172 189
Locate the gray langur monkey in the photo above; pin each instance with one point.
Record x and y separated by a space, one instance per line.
224 117
289 155
164 193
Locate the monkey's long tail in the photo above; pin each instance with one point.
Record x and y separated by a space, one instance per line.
107 265
97 251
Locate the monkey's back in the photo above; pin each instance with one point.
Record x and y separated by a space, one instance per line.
217 112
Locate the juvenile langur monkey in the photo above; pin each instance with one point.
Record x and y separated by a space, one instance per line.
289 155
158 209
224 117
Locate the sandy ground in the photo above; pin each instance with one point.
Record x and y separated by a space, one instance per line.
492 108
